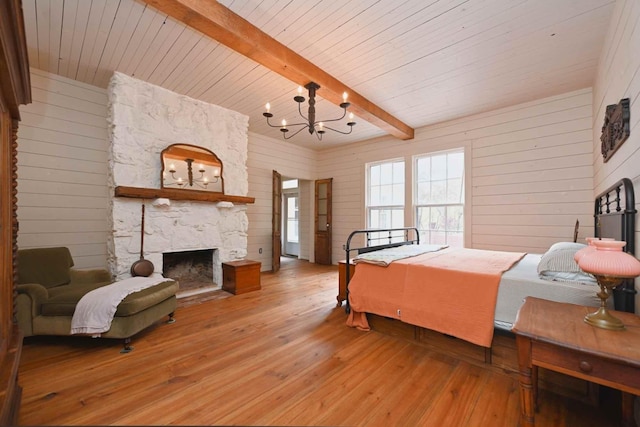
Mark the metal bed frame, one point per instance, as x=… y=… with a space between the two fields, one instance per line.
x=614 y=216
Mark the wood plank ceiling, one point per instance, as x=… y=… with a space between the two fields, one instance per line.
x=422 y=61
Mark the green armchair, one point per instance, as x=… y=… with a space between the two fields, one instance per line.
x=49 y=288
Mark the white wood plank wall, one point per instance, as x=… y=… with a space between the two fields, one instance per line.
x=530 y=176
x=618 y=77
x=291 y=161
x=62 y=169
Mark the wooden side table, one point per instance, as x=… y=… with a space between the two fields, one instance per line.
x=241 y=276
x=554 y=336
x=342 y=279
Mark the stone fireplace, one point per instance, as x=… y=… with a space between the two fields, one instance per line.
x=143 y=120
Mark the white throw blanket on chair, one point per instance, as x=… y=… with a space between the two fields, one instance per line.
x=95 y=310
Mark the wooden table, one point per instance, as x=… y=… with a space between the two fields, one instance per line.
x=554 y=336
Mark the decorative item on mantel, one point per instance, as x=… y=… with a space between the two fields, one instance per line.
x=199 y=188
x=615 y=129
x=610 y=266
x=179 y=162
x=312 y=125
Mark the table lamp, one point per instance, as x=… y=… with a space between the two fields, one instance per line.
x=610 y=266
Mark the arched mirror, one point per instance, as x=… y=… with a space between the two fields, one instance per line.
x=188 y=167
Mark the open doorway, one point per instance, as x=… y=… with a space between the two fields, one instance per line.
x=291 y=218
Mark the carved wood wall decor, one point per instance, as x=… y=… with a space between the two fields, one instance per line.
x=615 y=129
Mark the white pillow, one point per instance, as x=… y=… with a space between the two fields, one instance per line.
x=557 y=264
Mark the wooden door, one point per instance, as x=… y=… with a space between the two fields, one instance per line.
x=276 y=222
x=322 y=240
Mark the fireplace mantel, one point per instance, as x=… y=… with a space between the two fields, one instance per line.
x=176 y=194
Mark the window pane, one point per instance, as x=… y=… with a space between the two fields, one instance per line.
x=375 y=196
x=386 y=195
x=398 y=172
x=455 y=165
x=398 y=194
x=424 y=169
x=424 y=193
x=374 y=175
x=397 y=218
x=439 y=167
x=455 y=191
x=290 y=183
x=386 y=173
x=438 y=191
x=455 y=218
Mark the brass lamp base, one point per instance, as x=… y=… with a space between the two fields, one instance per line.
x=602 y=319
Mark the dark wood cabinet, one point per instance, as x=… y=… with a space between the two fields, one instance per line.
x=15 y=90
x=241 y=276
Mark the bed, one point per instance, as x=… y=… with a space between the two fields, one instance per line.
x=406 y=290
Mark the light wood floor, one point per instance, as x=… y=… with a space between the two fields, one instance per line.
x=279 y=356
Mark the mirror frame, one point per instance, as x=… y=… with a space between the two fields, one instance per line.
x=198 y=154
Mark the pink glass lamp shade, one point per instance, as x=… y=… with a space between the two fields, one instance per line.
x=589 y=248
x=610 y=265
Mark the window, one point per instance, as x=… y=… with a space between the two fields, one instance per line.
x=292 y=218
x=439 y=197
x=385 y=194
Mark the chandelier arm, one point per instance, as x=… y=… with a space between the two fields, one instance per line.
x=334 y=120
x=339 y=131
x=273 y=126
x=296 y=132
x=300 y=112
x=288 y=124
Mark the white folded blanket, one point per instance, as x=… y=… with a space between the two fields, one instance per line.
x=384 y=257
x=95 y=310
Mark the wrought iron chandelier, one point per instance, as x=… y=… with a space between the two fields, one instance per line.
x=312 y=125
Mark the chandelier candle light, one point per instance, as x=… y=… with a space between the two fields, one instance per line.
x=313 y=126
x=610 y=266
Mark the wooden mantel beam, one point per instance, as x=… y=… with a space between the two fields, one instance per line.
x=221 y=24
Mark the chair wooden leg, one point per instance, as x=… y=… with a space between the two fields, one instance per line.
x=127 y=346
x=171 y=319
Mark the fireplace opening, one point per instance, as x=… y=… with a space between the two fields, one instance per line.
x=192 y=269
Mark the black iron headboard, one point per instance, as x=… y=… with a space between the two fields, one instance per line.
x=615 y=216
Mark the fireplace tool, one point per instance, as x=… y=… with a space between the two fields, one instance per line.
x=142 y=267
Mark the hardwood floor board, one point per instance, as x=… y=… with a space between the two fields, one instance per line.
x=308 y=395
x=498 y=405
x=461 y=391
x=261 y=371
x=336 y=389
x=278 y=356
x=402 y=397
x=276 y=361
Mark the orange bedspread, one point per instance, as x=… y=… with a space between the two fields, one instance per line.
x=452 y=291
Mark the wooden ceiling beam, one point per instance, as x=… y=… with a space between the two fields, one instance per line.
x=221 y=24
